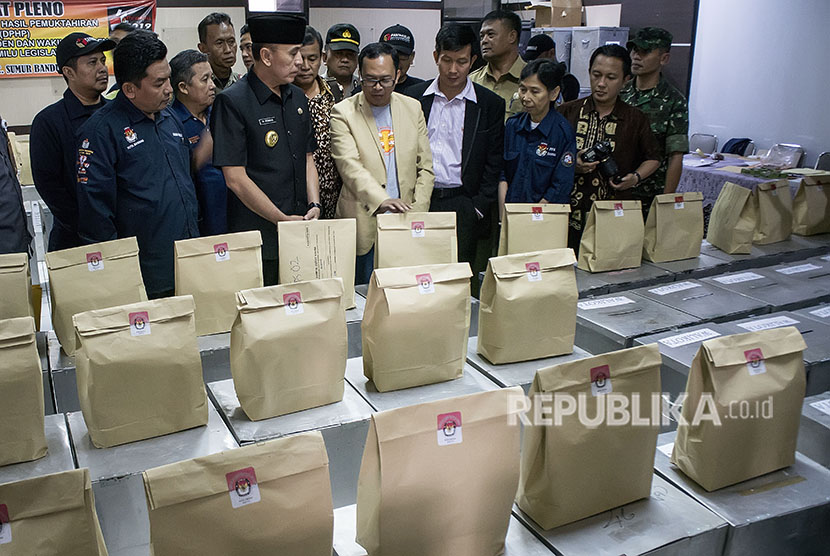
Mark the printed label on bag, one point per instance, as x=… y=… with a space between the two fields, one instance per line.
x=768 y=324
x=418 y=229
x=536 y=214
x=773 y=189
x=601 y=380
x=534 y=272
x=293 y=303
x=222 y=253
x=678 y=203
x=603 y=303
x=738 y=278
x=140 y=324
x=618 y=209
x=5 y=525
x=243 y=487
x=755 y=361
x=425 y=284
x=676 y=287
x=689 y=338
x=94 y=261
x=449 y=428
x=824 y=312
x=821 y=405
x=797 y=269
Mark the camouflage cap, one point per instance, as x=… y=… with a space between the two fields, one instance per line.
x=649 y=38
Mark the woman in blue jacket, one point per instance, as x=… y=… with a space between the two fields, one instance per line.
x=539 y=143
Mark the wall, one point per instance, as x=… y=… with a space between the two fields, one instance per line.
x=25 y=97
x=424 y=24
x=760 y=71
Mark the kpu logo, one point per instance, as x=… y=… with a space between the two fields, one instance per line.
x=140 y=323
x=425 y=284
x=94 y=261
x=449 y=428
x=293 y=303
x=243 y=487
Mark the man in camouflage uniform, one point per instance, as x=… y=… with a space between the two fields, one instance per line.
x=665 y=106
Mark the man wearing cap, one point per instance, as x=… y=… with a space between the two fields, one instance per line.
x=402 y=40
x=53 y=149
x=133 y=165
x=541 y=46
x=665 y=106
x=500 y=32
x=263 y=139
x=340 y=57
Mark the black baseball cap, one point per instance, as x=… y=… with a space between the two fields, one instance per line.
x=343 y=36
x=400 y=38
x=78 y=44
x=537 y=45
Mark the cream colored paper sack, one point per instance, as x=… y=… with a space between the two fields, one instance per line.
x=764 y=369
x=438 y=479
x=139 y=372
x=50 y=515
x=528 y=306
x=811 y=206
x=267 y=499
x=212 y=269
x=22 y=437
x=774 y=207
x=732 y=224
x=674 y=227
x=15 y=286
x=613 y=237
x=416 y=238
x=416 y=325
x=527 y=227
x=571 y=470
x=317 y=249
x=92 y=277
x=288 y=347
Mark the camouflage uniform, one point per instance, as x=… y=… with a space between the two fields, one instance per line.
x=668 y=112
x=667 y=109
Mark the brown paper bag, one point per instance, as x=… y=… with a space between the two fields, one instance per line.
x=212 y=269
x=22 y=437
x=528 y=228
x=674 y=227
x=416 y=325
x=811 y=206
x=528 y=306
x=613 y=237
x=267 y=499
x=15 y=286
x=288 y=347
x=318 y=249
x=50 y=515
x=438 y=479
x=139 y=372
x=571 y=470
x=762 y=372
x=732 y=224
x=92 y=277
x=774 y=207
x=416 y=238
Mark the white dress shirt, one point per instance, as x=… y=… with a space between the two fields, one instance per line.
x=446 y=133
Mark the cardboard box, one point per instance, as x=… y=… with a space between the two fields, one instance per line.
x=557 y=13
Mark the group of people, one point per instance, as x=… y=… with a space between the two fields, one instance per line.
x=190 y=148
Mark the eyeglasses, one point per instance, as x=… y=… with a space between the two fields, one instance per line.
x=384 y=82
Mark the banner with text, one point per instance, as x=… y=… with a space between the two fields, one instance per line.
x=30 y=30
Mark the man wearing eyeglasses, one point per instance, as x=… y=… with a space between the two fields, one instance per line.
x=380 y=146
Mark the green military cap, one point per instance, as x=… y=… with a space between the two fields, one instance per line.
x=649 y=38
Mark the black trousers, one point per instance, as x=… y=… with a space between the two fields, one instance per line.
x=466 y=220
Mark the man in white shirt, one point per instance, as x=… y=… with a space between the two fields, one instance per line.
x=465 y=124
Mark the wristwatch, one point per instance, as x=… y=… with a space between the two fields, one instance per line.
x=639 y=179
x=315 y=205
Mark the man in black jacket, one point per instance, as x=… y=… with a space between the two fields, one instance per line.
x=465 y=123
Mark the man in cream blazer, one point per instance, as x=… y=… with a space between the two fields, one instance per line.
x=380 y=146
